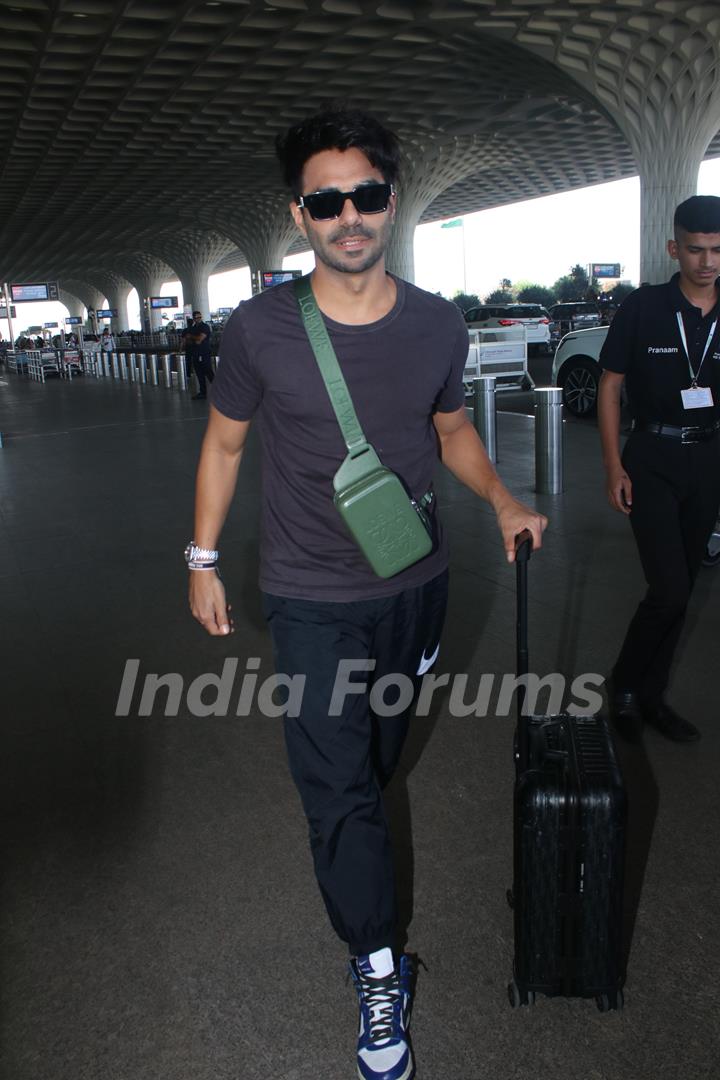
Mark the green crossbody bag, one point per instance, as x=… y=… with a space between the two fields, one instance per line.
x=392 y=530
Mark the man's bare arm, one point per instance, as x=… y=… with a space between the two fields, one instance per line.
x=220 y=457
x=462 y=451
x=619 y=485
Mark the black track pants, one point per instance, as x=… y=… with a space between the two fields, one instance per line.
x=203 y=370
x=340 y=763
x=676 y=491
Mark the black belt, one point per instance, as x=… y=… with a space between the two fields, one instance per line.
x=684 y=434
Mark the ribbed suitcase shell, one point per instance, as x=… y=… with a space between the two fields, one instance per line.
x=570 y=813
x=569 y=848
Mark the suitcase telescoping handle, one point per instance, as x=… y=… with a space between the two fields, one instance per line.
x=523 y=547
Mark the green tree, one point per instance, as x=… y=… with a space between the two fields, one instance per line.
x=499 y=296
x=564 y=289
x=465 y=300
x=572 y=286
x=529 y=293
x=619 y=292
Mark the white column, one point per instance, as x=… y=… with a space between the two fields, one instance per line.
x=194 y=255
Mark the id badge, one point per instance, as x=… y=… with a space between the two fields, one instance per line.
x=697 y=397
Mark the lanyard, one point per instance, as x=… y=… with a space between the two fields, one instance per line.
x=681 y=326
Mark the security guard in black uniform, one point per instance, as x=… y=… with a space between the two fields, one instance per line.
x=664 y=343
x=197 y=339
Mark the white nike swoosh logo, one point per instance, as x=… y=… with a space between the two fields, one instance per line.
x=426 y=662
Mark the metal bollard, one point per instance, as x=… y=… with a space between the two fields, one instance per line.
x=123 y=367
x=548 y=440
x=106 y=364
x=154 y=369
x=143 y=367
x=167 y=374
x=485 y=414
x=132 y=367
x=181 y=371
x=115 y=367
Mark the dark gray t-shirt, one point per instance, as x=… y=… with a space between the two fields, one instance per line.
x=399 y=371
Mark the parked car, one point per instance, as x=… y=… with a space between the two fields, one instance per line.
x=533 y=317
x=577 y=315
x=576 y=369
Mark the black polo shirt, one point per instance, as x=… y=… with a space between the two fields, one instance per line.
x=202 y=348
x=644 y=344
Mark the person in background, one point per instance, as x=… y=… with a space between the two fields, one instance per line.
x=197 y=337
x=663 y=345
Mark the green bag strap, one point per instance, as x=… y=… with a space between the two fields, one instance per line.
x=333 y=378
x=361 y=456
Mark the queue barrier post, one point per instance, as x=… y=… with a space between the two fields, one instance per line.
x=181 y=371
x=548 y=440
x=485 y=413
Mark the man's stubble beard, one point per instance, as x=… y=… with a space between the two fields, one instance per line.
x=324 y=252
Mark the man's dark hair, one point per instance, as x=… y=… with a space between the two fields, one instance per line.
x=337 y=128
x=699 y=213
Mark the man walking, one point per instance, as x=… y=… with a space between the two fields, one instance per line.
x=663 y=344
x=401 y=352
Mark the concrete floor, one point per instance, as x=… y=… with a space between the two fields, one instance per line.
x=160 y=919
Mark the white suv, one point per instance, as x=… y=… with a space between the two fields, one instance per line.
x=576 y=368
x=533 y=317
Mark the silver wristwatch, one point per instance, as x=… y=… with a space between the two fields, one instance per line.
x=199 y=558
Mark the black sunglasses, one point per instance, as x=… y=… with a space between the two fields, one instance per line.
x=366 y=198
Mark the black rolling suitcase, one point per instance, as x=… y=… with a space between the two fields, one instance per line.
x=569 y=849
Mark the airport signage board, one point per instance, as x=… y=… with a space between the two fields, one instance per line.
x=4 y=314
x=107 y=313
x=30 y=292
x=605 y=270
x=163 y=301
x=73 y=320
x=51 y=325
x=270 y=278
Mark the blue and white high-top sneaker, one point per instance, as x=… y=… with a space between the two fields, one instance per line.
x=385 y=996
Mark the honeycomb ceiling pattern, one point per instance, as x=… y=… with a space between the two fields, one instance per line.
x=126 y=126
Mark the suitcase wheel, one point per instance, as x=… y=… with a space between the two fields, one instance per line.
x=519 y=997
x=608 y=1002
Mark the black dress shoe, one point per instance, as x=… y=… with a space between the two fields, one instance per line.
x=625 y=714
x=670 y=724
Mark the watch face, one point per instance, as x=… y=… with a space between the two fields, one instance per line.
x=188 y=552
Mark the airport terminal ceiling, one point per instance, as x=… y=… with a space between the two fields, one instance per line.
x=126 y=126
